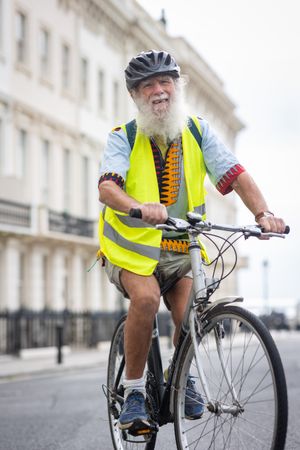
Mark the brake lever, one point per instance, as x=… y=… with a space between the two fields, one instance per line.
x=268 y=235
x=164 y=226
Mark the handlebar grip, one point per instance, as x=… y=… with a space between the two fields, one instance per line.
x=286 y=231
x=136 y=213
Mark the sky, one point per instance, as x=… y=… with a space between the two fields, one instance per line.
x=253 y=46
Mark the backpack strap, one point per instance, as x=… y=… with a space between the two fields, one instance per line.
x=195 y=130
x=131 y=132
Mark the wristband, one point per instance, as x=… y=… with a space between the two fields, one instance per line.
x=263 y=214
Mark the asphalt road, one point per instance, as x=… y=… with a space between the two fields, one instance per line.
x=68 y=411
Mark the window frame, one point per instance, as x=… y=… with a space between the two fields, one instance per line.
x=44 y=62
x=101 y=90
x=66 y=74
x=21 y=152
x=67 y=171
x=24 y=48
x=84 y=81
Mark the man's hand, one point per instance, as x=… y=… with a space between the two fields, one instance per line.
x=153 y=213
x=272 y=224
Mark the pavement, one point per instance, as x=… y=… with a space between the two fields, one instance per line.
x=45 y=361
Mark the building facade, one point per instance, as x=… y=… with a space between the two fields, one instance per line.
x=61 y=91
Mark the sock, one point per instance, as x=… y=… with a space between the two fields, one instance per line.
x=134 y=385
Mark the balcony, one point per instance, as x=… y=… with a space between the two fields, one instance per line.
x=16 y=217
x=15 y=214
x=65 y=223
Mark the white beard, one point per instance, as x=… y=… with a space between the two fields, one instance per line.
x=167 y=124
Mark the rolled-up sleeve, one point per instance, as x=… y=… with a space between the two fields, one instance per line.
x=221 y=164
x=115 y=162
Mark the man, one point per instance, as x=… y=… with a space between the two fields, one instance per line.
x=158 y=163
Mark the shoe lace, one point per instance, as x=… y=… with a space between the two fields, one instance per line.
x=135 y=400
x=190 y=383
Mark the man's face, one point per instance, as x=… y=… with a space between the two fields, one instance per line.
x=156 y=92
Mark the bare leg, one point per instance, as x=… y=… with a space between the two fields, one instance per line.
x=177 y=297
x=144 y=294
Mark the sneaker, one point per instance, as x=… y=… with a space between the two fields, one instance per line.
x=194 y=404
x=134 y=412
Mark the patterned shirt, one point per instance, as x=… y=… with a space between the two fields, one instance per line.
x=221 y=164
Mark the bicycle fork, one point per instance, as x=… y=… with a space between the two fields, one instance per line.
x=212 y=406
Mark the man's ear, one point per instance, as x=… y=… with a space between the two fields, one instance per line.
x=133 y=93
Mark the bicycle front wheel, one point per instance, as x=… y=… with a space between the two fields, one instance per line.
x=115 y=393
x=247 y=408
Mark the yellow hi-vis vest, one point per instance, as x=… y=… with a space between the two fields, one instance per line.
x=131 y=243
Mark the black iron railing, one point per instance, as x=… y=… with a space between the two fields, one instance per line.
x=30 y=329
x=65 y=223
x=19 y=214
x=14 y=213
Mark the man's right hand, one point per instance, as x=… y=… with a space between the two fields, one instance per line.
x=153 y=213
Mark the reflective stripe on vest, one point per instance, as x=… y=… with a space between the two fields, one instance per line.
x=131 y=243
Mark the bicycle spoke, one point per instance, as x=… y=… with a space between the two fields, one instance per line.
x=229 y=424
x=121 y=441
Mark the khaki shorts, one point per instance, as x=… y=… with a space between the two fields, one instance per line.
x=171 y=265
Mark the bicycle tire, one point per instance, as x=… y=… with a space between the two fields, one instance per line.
x=120 y=438
x=256 y=372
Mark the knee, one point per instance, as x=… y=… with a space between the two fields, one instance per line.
x=147 y=304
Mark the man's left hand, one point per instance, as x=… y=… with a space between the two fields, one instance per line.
x=272 y=224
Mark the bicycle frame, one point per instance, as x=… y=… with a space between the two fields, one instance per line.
x=206 y=327
x=198 y=297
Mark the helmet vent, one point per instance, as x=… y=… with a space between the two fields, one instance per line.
x=147 y=64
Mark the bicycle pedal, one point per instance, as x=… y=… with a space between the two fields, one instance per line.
x=139 y=428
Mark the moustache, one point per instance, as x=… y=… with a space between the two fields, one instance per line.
x=158 y=98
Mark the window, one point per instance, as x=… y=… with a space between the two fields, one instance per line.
x=116 y=105
x=21 y=153
x=2 y=160
x=84 y=79
x=67 y=179
x=1 y=25
x=45 y=170
x=65 y=67
x=85 y=186
x=44 y=53
x=101 y=97
x=21 y=37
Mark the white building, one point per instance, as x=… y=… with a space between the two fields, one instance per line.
x=61 y=91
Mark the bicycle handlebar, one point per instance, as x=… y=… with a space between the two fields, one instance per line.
x=136 y=213
x=194 y=221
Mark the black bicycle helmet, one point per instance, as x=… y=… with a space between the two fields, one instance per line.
x=150 y=63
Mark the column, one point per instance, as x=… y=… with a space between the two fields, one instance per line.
x=11 y=276
x=36 y=294
x=56 y=298
x=76 y=282
x=92 y=296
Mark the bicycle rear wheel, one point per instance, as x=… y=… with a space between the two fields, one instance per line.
x=115 y=392
x=247 y=386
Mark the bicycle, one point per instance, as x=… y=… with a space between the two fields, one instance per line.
x=227 y=349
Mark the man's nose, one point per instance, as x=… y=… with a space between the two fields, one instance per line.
x=157 y=88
